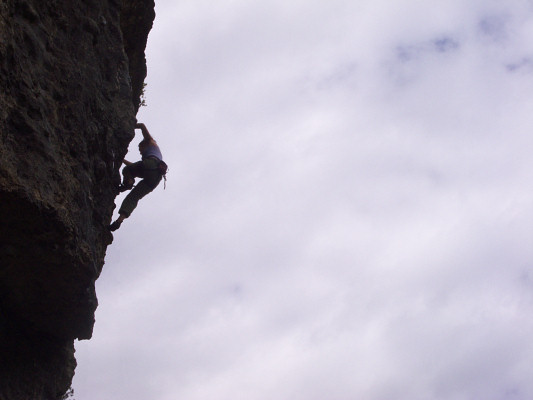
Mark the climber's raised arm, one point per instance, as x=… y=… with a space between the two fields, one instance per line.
x=145 y=132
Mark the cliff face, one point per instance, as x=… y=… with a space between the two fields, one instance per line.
x=71 y=73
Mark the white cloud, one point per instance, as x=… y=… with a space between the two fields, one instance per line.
x=347 y=208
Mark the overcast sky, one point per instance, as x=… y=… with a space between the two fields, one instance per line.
x=348 y=213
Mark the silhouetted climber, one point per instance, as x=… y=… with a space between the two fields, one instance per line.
x=151 y=168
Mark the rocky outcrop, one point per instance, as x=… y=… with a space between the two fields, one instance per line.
x=67 y=110
x=136 y=22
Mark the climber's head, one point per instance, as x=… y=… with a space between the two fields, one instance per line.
x=143 y=145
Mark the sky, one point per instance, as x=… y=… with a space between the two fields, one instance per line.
x=348 y=212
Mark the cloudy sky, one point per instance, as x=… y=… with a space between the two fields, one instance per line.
x=348 y=213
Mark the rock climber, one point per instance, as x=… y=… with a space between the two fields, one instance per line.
x=151 y=169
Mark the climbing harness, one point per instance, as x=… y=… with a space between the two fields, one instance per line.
x=163 y=169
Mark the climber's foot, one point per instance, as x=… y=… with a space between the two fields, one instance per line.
x=115 y=225
x=127 y=185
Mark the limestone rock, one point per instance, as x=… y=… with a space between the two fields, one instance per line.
x=67 y=112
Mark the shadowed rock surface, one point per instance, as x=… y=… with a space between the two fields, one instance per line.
x=67 y=112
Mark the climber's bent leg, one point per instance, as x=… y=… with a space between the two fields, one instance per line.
x=130 y=172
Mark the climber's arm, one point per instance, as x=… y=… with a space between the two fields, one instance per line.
x=145 y=132
x=126 y=162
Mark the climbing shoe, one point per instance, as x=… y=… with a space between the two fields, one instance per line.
x=123 y=188
x=115 y=225
x=127 y=185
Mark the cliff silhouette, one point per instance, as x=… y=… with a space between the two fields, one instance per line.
x=71 y=76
